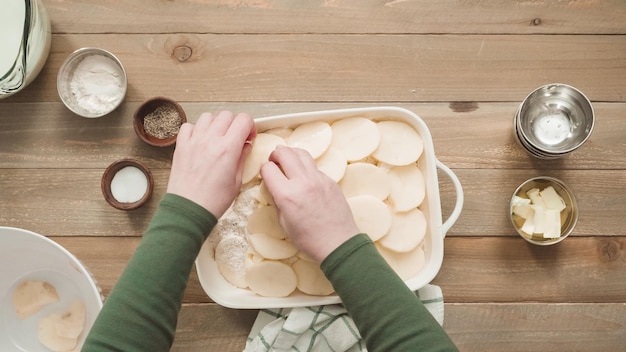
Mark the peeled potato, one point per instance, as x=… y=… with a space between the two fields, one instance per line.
x=332 y=163
x=263 y=145
x=314 y=137
x=406 y=265
x=364 y=178
x=406 y=232
x=30 y=296
x=72 y=321
x=60 y=331
x=311 y=279
x=399 y=143
x=408 y=187
x=282 y=132
x=356 y=137
x=371 y=215
x=230 y=259
x=272 y=248
x=264 y=196
x=271 y=279
x=265 y=220
x=252 y=258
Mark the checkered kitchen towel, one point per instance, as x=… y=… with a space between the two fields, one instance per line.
x=320 y=328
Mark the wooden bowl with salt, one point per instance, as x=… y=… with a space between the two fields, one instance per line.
x=127 y=184
x=158 y=120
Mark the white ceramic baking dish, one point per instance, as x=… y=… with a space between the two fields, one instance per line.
x=225 y=294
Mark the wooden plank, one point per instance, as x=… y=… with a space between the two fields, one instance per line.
x=512 y=327
x=350 y=68
x=537 y=327
x=488 y=269
x=69 y=202
x=340 y=16
x=465 y=135
x=210 y=327
x=601 y=199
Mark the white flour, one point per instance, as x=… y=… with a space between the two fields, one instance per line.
x=97 y=84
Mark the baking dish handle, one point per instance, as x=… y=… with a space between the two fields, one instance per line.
x=459 y=198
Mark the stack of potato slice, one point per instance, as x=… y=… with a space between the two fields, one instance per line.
x=376 y=165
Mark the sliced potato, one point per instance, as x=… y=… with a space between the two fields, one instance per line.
x=252 y=257
x=407 y=187
x=371 y=215
x=333 y=163
x=72 y=322
x=263 y=145
x=60 y=331
x=406 y=232
x=272 y=248
x=399 y=143
x=31 y=296
x=406 y=265
x=314 y=137
x=356 y=137
x=48 y=337
x=271 y=279
x=282 y=132
x=311 y=279
x=364 y=178
x=265 y=220
x=230 y=259
x=264 y=196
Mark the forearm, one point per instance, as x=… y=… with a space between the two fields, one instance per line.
x=141 y=311
x=389 y=316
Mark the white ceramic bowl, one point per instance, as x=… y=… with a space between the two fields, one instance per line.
x=228 y=295
x=25 y=255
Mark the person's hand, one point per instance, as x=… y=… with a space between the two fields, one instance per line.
x=311 y=207
x=208 y=160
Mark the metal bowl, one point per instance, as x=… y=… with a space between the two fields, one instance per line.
x=554 y=120
x=569 y=215
x=94 y=90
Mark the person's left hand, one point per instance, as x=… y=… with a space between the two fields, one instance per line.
x=208 y=161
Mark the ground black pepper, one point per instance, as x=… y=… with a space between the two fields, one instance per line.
x=163 y=122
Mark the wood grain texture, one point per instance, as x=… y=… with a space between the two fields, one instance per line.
x=69 y=202
x=340 y=16
x=487 y=141
x=350 y=68
x=503 y=269
x=478 y=327
x=462 y=65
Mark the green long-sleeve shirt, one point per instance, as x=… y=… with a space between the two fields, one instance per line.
x=141 y=312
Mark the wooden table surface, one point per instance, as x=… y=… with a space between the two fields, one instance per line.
x=463 y=66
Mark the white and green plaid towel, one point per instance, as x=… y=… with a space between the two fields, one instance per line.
x=320 y=328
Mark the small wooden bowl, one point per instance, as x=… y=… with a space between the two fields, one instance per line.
x=110 y=172
x=148 y=107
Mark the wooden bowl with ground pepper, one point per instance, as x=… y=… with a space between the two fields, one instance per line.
x=158 y=120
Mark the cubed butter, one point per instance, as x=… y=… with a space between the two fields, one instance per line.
x=551 y=199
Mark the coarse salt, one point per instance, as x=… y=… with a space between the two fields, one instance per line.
x=129 y=185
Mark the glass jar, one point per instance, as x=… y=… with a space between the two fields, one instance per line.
x=25 y=37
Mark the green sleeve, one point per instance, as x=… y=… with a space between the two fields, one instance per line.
x=141 y=312
x=389 y=316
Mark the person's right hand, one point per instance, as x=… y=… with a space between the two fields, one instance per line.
x=208 y=160
x=311 y=207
